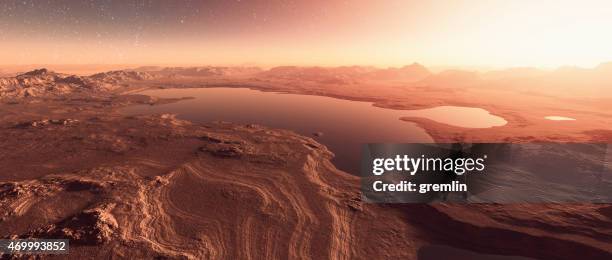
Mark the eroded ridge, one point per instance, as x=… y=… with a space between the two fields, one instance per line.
x=238 y=192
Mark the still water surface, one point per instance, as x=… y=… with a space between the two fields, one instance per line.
x=559 y=118
x=345 y=125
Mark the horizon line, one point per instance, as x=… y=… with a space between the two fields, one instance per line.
x=252 y=64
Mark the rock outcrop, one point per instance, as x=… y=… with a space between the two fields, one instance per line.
x=225 y=191
x=118 y=76
x=45 y=83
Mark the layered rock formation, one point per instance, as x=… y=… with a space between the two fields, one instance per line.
x=179 y=191
x=224 y=191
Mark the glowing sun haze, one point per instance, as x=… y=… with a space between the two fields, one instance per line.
x=330 y=32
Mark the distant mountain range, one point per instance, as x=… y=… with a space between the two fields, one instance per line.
x=205 y=71
x=43 y=82
x=593 y=82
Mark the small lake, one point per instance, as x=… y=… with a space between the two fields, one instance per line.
x=559 y=118
x=345 y=125
x=467 y=117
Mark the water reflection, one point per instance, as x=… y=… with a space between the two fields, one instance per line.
x=342 y=125
x=468 y=117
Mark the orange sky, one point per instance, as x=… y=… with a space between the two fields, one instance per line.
x=329 y=33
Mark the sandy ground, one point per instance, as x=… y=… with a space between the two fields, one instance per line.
x=156 y=186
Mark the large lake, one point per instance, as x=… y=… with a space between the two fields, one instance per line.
x=345 y=125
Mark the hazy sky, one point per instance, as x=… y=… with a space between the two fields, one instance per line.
x=308 y=32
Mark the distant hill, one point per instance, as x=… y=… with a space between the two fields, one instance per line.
x=121 y=76
x=348 y=74
x=43 y=82
x=413 y=72
x=205 y=71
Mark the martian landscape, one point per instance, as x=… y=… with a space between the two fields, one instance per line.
x=76 y=165
x=218 y=129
